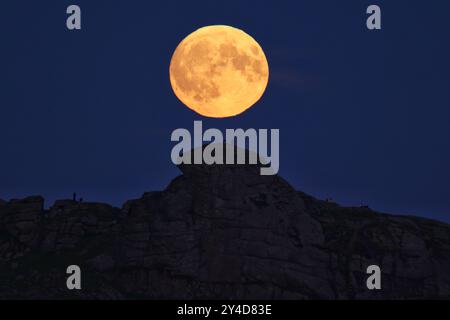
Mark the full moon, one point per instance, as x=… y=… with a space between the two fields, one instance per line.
x=219 y=71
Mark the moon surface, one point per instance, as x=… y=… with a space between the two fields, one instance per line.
x=219 y=71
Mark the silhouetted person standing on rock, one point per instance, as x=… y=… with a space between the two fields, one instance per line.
x=74 y=196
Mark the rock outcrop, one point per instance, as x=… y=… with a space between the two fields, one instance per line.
x=219 y=232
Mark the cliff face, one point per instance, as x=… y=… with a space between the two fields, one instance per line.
x=219 y=232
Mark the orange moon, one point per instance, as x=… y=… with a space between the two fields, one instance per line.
x=219 y=71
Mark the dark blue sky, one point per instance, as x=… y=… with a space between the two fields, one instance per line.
x=364 y=116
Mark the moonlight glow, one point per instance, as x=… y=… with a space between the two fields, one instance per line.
x=219 y=71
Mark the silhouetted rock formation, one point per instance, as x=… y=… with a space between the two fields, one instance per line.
x=219 y=232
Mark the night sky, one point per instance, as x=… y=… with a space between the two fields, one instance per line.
x=364 y=116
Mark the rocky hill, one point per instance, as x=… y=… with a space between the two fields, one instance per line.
x=219 y=232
